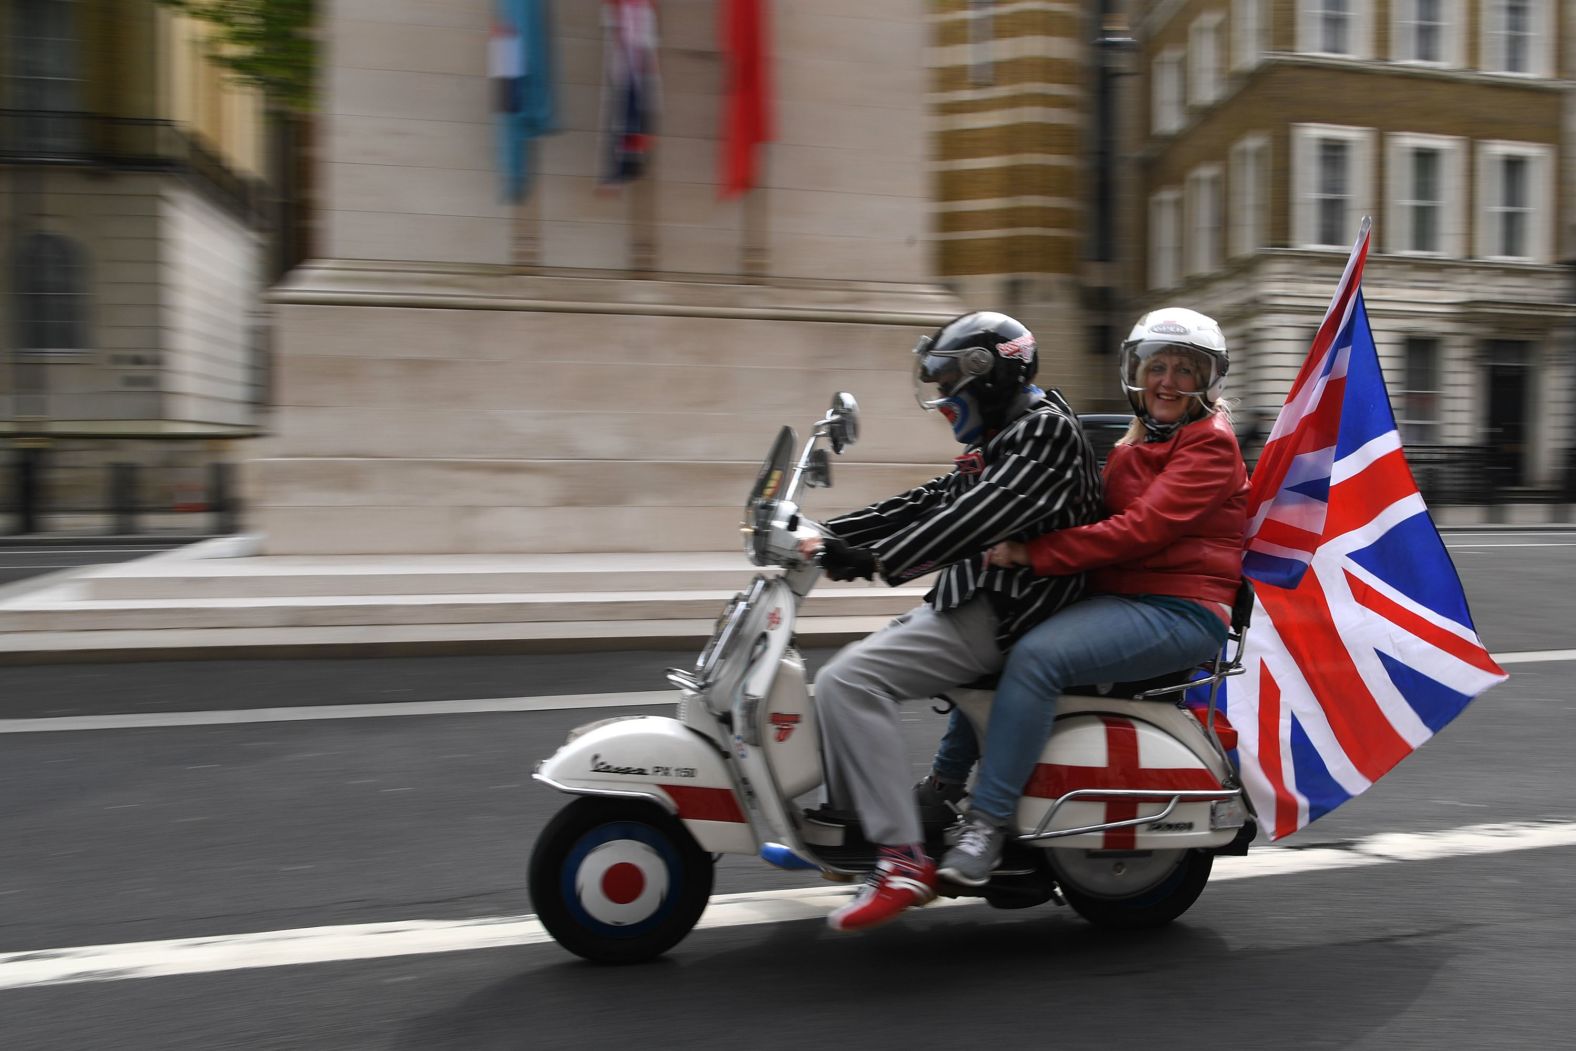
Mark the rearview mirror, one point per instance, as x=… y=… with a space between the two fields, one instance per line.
x=818 y=472
x=842 y=421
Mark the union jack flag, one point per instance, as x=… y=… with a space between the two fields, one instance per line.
x=1362 y=646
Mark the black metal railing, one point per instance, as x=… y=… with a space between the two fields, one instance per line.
x=119 y=498
x=1464 y=475
x=126 y=144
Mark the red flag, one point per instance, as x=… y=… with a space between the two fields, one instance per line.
x=747 y=113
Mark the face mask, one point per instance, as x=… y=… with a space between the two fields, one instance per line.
x=963 y=412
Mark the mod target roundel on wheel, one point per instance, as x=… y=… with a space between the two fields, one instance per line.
x=619 y=878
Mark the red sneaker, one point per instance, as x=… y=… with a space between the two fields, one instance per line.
x=895 y=885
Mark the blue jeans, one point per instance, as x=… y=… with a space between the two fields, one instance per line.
x=1105 y=638
x=958 y=750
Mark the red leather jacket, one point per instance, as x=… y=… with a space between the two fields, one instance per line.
x=1177 y=510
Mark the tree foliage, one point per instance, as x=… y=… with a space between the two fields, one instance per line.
x=267 y=43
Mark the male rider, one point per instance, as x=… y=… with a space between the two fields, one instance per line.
x=1027 y=468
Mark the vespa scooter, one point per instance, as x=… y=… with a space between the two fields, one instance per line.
x=1133 y=798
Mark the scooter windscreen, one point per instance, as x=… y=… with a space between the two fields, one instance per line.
x=761 y=507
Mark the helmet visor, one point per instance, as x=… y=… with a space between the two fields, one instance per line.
x=936 y=376
x=1181 y=368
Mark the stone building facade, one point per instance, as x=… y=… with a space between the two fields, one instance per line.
x=1265 y=130
x=131 y=171
x=597 y=368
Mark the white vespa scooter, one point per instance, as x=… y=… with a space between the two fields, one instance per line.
x=1121 y=818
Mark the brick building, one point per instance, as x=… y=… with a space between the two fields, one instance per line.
x=1016 y=96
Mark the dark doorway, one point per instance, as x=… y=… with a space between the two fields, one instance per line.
x=1509 y=362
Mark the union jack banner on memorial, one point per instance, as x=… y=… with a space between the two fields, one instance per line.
x=1361 y=646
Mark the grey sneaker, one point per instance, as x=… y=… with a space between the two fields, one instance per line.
x=974 y=857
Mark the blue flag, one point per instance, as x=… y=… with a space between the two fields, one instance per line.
x=520 y=66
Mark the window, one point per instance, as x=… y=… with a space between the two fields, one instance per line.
x=1166 y=92
x=1331 y=183
x=1203 y=220
x=982 y=28
x=1334 y=27
x=45 y=73
x=1249 y=170
x=1426 y=32
x=1419 y=396
x=52 y=298
x=1165 y=239
x=1203 y=77
x=1518 y=37
x=1424 y=215
x=1515 y=201
x=1247 y=33
x=1332 y=189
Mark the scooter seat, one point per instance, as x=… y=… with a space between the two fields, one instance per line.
x=1130 y=690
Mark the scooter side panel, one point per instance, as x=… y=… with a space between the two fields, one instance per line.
x=661 y=759
x=1117 y=744
x=1091 y=751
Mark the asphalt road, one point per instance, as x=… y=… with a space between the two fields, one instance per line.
x=132 y=835
x=25 y=560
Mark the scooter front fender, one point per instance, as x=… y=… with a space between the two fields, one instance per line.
x=660 y=759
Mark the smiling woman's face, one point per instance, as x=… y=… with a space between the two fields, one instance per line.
x=1170 y=377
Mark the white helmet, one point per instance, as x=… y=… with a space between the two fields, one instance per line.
x=1174 y=329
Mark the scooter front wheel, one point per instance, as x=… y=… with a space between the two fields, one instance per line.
x=1131 y=891
x=618 y=880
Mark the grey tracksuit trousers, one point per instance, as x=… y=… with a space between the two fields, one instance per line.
x=857 y=693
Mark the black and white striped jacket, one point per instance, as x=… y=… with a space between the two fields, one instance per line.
x=1036 y=474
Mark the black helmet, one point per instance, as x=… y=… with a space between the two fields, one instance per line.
x=989 y=353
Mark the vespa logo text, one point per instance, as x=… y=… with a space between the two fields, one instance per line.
x=1171 y=826
x=599 y=767
x=785 y=725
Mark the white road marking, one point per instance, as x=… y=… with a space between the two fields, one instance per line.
x=1496 y=547
x=366 y=941
x=1459 y=534
x=371 y=710
x=486 y=705
x=1534 y=657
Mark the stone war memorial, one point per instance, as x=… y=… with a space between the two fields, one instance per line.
x=534 y=421
x=596 y=368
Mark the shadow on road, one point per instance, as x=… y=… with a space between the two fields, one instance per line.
x=968 y=979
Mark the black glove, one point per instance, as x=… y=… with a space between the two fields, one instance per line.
x=843 y=561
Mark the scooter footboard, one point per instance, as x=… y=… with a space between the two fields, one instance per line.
x=660 y=759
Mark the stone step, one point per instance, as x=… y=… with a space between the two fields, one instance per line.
x=67 y=614
x=283 y=576
x=684 y=637
x=220 y=598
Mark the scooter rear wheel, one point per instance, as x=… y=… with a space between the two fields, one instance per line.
x=1131 y=891
x=618 y=880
